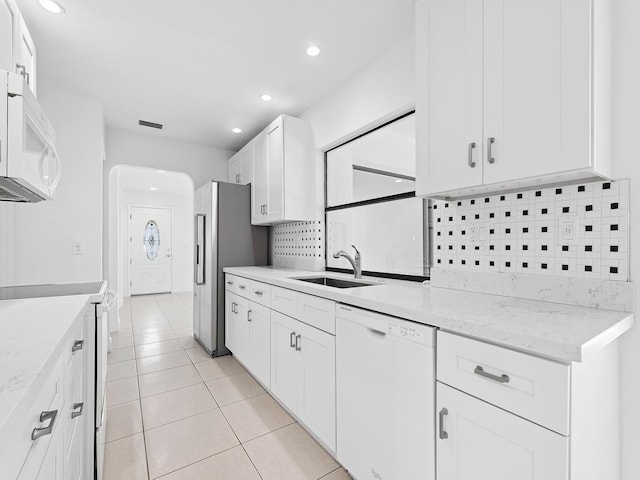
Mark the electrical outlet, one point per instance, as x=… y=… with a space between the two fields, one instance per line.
x=76 y=248
x=567 y=231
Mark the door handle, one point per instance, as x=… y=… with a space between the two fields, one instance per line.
x=470 y=161
x=298 y=346
x=249 y=315
x=490 y=142
x=44 y=416
x=77 y=345
x=258 y=292
x=504 y=378
x=442 y=433
x=77 y=406
x=292 y=342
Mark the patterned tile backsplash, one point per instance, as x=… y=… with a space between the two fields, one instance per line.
x=298 y=245
x=577 y=230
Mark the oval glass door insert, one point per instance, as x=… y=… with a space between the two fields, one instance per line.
x=151 y=240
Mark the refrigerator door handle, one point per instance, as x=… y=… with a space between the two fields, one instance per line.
x=200 y=249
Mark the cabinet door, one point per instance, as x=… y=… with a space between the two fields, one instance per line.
x=486 y=442
x=285 y=366
x=52 y=467
x=235 y=169
x=449 y=91
x=261 y=342
x=27 y=55
x=317 y=396
x=275 y=155
x=247 y=164
x=231 y=320
x=260 y=185
x=8 y=30
x=537 y=87
x=243 y=331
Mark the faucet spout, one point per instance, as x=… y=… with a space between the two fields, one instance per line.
x=356 y=262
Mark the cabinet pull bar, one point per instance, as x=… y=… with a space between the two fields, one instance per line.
x=490 y=142
x=44 y=416
x=229 y=282
x=442 y=433
x=249 y=315
x=504 y=378
x=77 y=345
x=77 y=406
x=258 y=292
x=472 y=164
x=243 y=287
x=291 y=340
x=298 y=343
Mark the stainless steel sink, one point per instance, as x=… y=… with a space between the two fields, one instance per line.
x=335 y=282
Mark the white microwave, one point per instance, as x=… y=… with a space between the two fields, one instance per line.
x=29 y=165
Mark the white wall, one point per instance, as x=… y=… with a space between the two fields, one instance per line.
x=626 y=163
x=380 y=91
x=202 y=163
x=37 y=248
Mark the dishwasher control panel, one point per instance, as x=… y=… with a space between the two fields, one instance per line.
x=388 y=325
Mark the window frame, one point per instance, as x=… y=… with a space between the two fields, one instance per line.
x=372 y=201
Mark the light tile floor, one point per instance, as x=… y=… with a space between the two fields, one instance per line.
x=175 y=413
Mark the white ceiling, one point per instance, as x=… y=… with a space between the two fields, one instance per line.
x=199 y=66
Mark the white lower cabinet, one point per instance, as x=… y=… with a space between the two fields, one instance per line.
x=303 y=374
x=248 y=334
x=477 y=440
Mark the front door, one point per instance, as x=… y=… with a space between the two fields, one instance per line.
x=150 y=250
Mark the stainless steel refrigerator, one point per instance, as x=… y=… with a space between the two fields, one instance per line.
x=224 y=237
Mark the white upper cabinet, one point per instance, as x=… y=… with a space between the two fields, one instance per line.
x=241 y=166
x=508 y=92
x=17 y=50
x=282 y=187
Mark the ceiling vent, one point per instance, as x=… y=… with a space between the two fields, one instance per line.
x=144 y=123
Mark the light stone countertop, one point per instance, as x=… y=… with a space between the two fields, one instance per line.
x=565 y=333
x=32 y=333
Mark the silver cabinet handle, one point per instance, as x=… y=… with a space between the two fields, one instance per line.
x=238 y=178
x=229 y=282
x=234 y=307
x=243 y=287
x=298 y=341
x=472 y=164
x=249 y=315
x=258 y=292
x=292 y=343
x=77 y=406
x=77 y=345
x=504 y=378
x=443 y=434
x=44 y=416
x=490 y=142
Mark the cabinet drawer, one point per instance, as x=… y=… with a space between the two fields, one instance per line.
x=317 y=312
x=531 y=387
x=260 y=293
x=231 y=283
x=284 y=301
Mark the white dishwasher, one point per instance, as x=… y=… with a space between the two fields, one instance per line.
x=385 y=374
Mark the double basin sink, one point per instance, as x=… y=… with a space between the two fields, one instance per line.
x=335 y=282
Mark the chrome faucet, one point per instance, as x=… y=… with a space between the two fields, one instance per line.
x=356 y=262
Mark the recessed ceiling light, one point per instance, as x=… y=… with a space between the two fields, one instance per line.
x=153 y=188
x=398 y=181
x=266 y=97
x=236 y=130
x=313 y=50
x=51 y=6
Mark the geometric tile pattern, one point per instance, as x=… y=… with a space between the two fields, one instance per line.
x=298 y=245
x=579 y=230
